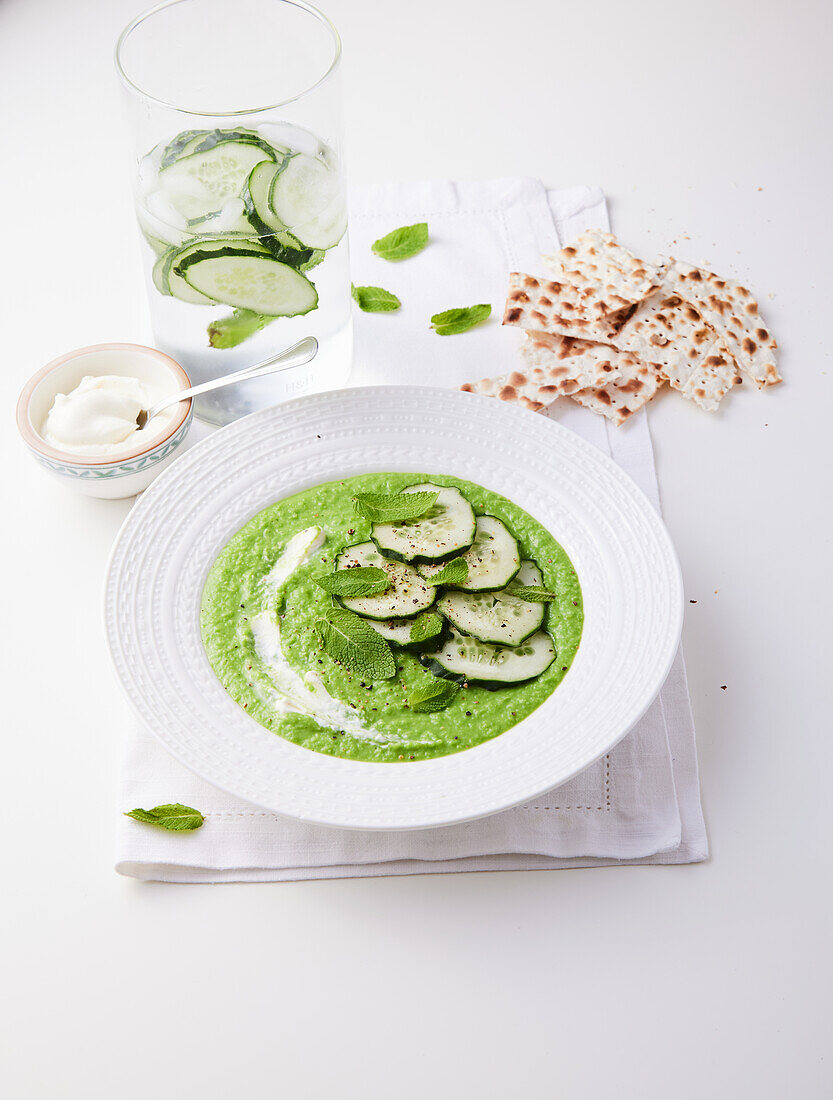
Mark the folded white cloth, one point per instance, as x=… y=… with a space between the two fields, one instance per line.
x=641 y=803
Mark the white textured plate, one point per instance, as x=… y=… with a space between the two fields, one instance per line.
x=625 y=562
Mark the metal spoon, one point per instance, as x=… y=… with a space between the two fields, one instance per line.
x=296 y=356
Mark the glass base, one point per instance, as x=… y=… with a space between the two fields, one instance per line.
x=329 y=370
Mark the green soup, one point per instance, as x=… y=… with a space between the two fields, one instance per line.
x=258 y=626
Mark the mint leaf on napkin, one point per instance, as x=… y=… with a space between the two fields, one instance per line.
x=432 y=697
x=351 y=642
x=452 y=321
x=173 y=816
x=361 y=580
x=403 y=242
x=453 y=572
x=374 y=299
x=393 y=507
x=425 y=626
x=532 y=593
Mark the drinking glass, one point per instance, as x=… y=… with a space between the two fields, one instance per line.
x=238 y=174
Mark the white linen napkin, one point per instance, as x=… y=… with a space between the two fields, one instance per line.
x=640 y=803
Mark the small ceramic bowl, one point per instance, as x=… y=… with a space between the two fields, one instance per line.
x=131 y=472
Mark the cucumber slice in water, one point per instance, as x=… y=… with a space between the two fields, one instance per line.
x=229 y=221
x=158 y=219
x=273 y=233
x=157 y=244
x=307 y=197
x=167 y=281
x=496 y=617
x=167 y=277
x=256 y=197
x=250 y=280
x=159 y=276
x=407 y=594
x=232 y=245
x=200 y=141
x=180 y=146
x=198 y=185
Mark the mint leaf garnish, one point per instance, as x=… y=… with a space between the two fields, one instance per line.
x=361 y=580
x=432 y=697
x=452 y=321
x=173 y=816
x=374 y=299
x=453 y=572
x=425 y=626
x=393 y=507
x=532 y=593
x=350 y=641
x=315 y=257
x=228 y=332
x=403 y=242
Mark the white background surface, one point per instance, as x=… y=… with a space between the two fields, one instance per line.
x=708 y=125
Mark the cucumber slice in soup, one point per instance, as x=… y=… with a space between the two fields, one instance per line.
x=198 y=185
x=398 y=632
x=465 y=659
x=496 y=617
x=493 y=560
x=446 y=529
x=307 y=197
x=407 y=594
x=254 y=281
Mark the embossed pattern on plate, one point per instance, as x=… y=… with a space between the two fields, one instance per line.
x=624 y=558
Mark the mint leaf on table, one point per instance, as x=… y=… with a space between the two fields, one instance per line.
x=361 y=580
x=173 y=816
x=393 y=507
x=374 y=299
x=453 y=572
x=452 y=321
x=532 y=593
x=351 y=642
x=228 y=332
x=401 y=243
x=425 y=626
x=432 y=697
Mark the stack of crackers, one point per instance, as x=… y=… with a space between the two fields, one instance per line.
x=608 y=330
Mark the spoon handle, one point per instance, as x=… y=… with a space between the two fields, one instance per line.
x=296 y=356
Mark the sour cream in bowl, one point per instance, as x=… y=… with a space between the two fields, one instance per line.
x=78 y=417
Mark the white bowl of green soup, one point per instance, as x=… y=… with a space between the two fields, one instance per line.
x=356 y=610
